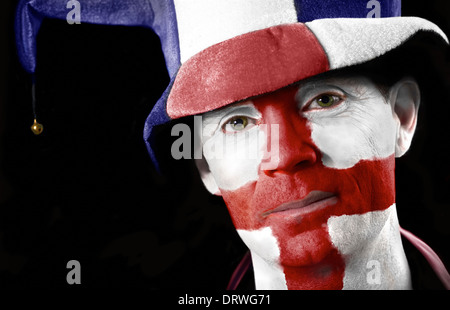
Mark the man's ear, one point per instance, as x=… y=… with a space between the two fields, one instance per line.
x=405 y=101
x=207 y=177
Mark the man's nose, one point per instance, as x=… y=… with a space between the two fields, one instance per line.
x=294 y=147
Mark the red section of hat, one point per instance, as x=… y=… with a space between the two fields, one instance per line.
x=245 y=66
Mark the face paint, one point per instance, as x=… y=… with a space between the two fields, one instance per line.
x=334 y=160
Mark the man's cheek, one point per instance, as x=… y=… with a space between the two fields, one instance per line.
x=344 y=142
x=239 y=206
x=234 y=159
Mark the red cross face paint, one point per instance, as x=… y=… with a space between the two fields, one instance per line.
x=329 y=194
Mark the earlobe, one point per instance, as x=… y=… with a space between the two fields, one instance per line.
x=405 y=100
x=207 y=177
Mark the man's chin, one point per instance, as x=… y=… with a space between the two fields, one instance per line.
x=305 y=249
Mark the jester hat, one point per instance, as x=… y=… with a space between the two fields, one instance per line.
x=218 y=52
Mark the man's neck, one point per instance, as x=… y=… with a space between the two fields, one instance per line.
x=378 y=264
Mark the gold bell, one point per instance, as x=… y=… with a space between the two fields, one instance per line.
x=37 y=128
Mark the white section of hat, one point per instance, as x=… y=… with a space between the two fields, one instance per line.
x=351 y=41
x=203 y=23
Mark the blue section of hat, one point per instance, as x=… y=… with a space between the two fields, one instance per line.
x=154 y=14
x=309 y=10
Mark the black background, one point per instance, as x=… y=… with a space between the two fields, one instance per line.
x=85 y=189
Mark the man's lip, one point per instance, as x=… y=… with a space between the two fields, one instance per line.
x=314 y=200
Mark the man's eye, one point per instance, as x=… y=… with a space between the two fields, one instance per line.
x=326 y=100
x=238 y=123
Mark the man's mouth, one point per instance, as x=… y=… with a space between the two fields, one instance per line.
x=315 y=200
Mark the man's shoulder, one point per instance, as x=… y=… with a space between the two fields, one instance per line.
x=422 y=274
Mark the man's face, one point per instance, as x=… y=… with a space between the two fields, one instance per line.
x=330 y=143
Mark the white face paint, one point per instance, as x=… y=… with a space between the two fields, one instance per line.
x=263 y=243
x=371 y=236
x=347 y=121
x=361 y=127
x=234 y=159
